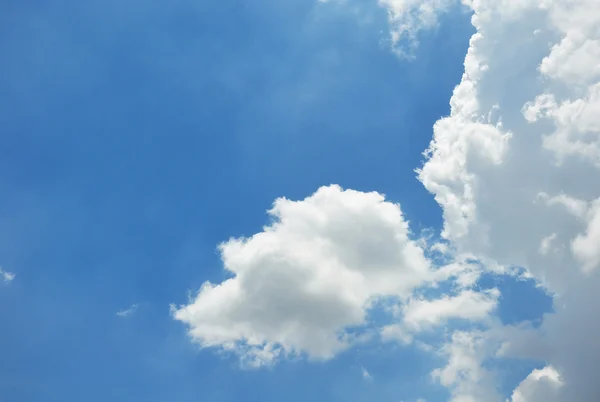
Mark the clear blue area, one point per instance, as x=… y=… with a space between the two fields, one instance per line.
x=520 y=299
x=136 y=136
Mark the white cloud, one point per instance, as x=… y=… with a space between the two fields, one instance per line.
x=515 y=165
x=514 y=168
x=575 y=207
x=310 y=274
x=7 y=277
x=540 y=385
x=128 y=311
x=577 y=124
x=316 y=270
x=408 y=17
x=546 y=244
x=574 y=59
x=462 y=271
x=366 y=375
x=464 y=374
x=397 y=333
x=420 y=314
x=586 y=246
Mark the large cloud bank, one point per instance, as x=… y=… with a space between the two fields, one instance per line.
x=515 y=168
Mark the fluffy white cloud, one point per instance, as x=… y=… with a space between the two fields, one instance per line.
x=419 y=314
x=464 y=373
x=515 y=166
x=540 y=385
x=577 y=124
x=307 y=276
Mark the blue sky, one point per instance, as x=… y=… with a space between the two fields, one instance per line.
x=136 y=137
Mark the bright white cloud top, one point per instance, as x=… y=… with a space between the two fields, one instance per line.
x=515 y=168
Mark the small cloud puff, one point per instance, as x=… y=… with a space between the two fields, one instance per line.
x=128 y=311
x=365 y=374
x=6 y=276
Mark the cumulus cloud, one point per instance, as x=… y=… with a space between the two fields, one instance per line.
x=7 y=277
x=309 y=275
x=305 y=284
x=576 y=124
x=540 y=385
x=515 y=166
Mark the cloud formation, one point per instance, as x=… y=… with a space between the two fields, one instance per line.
x=464 y=374
x=515 y=169
x=541 y=385
x=468 y=305
x=515 y=166
x=308 y=276
x=128 y=311
x=305 y=284
x=409 y=17
x=7 y=277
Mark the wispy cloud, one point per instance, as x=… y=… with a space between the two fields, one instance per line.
x=7 y=276
x=366 y=375
x=128 y=311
